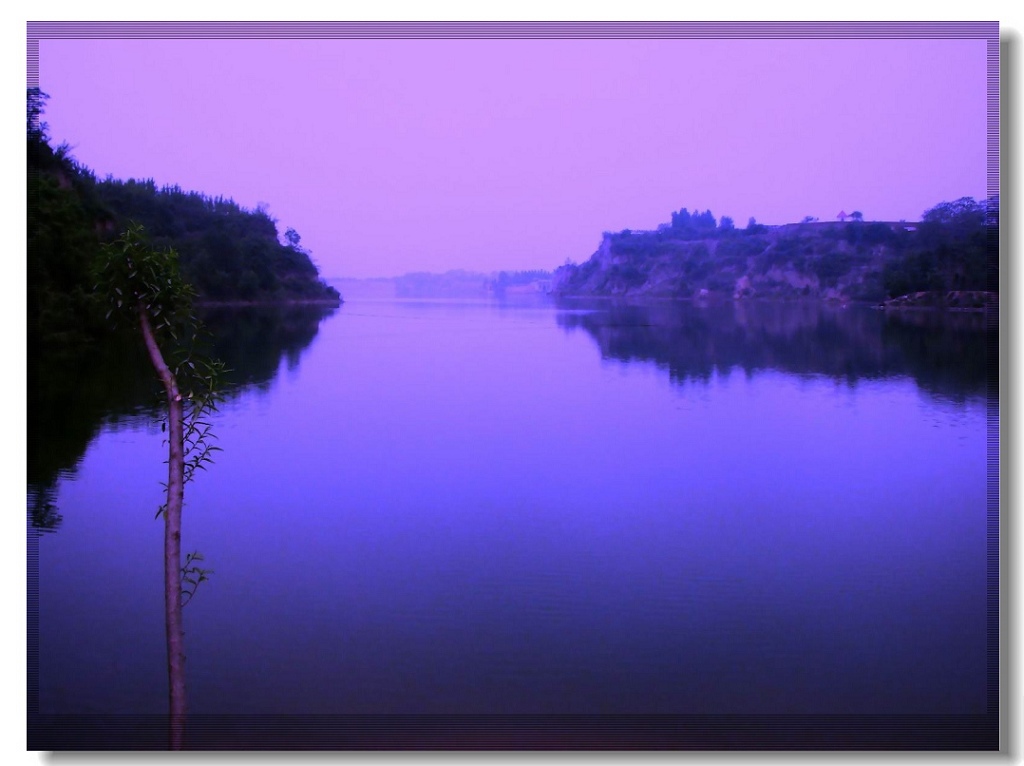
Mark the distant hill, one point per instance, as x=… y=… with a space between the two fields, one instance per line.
x=457 y=283
x=950 y=255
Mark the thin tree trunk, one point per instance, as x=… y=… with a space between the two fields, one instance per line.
x=172 y=536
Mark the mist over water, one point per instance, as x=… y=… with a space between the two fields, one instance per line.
x=536 y=507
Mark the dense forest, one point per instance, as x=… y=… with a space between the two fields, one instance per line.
x=227 y=253
x=950 y=255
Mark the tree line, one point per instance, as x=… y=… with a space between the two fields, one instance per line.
x=227 y=252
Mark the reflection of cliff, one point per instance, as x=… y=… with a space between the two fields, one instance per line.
x=71 y=397
x=945 y=353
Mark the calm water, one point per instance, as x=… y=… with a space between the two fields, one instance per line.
x=464 y=507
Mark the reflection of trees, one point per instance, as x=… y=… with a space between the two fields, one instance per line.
x=944 y=352
x=252 y=341
x=72 y=396
x=42 y=509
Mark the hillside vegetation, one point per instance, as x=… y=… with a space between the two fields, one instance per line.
x=227 y=253
x=950 y=256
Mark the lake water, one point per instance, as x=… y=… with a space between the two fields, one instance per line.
x=527 y=507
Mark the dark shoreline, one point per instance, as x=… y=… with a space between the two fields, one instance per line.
x=282 y=302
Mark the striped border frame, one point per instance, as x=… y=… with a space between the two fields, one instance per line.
x=985 y=726
x=992 y=360
x=313 y=30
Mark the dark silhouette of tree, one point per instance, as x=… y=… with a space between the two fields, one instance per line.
x=36 y=128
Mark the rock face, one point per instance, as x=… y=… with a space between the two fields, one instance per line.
x=780 y=262
x=843 y=262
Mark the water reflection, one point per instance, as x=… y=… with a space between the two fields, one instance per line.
x=503 y=523
x=42 y=509
x=945 y=353
x=253 y=341
x=72 y=396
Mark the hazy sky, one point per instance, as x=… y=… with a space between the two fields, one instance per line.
x=391 y=156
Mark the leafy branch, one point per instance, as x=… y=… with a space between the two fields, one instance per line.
x=191 y=576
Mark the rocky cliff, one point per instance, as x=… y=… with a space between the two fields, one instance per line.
x=857 y=261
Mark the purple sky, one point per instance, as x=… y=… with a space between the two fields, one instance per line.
x=391 y=156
